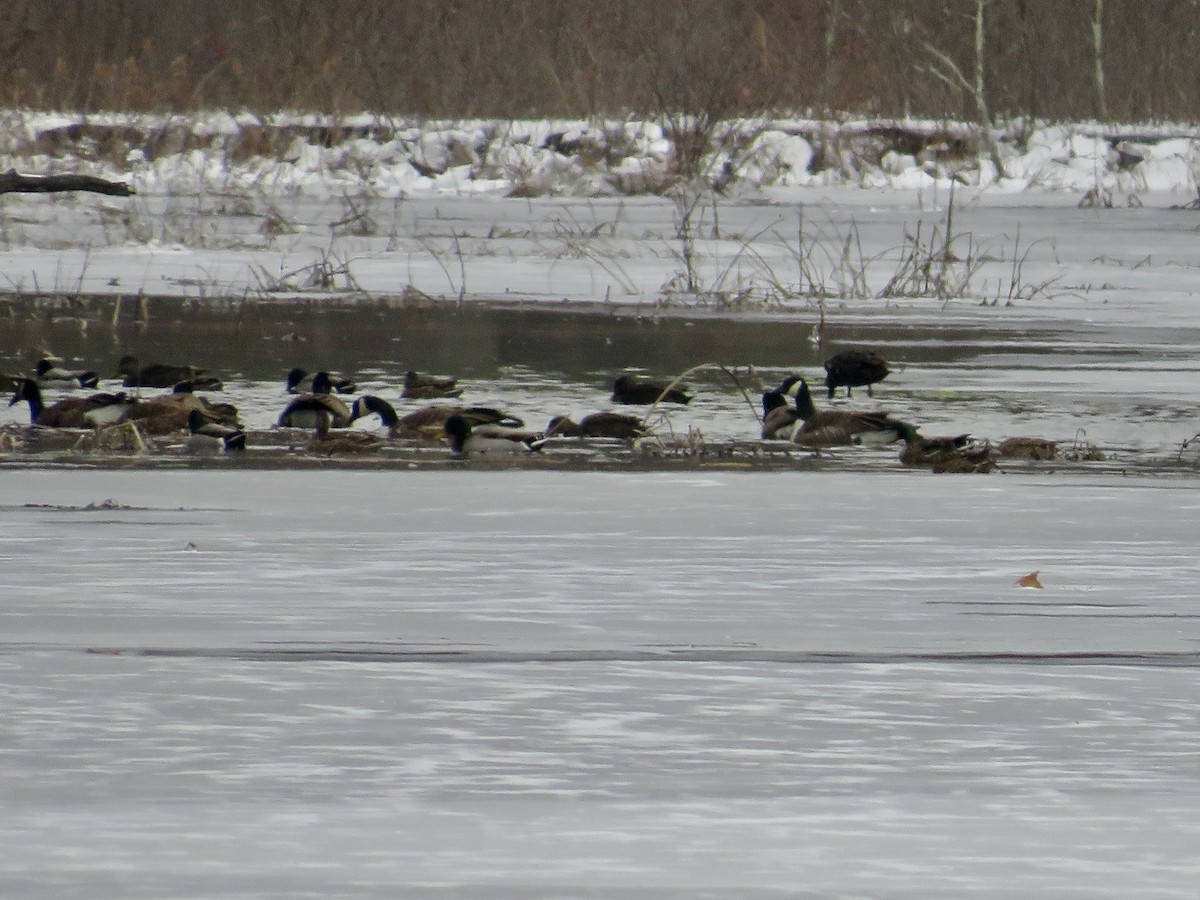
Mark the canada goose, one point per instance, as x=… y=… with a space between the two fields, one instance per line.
x=307 y=409
x=205 y=435
x=163 y=375
x=429 y=422
x=854 y=368
x=299 y=381
x=368 y=405
x=52 y=376
x=72 y=412
x=489 y=440
x=637 y=389
x=428 y=387
x=779 y=417
x=598 y=425
x=927 y=451
x=831 y=427
x=1028 y=448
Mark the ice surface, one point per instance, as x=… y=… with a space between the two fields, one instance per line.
x=530 y=684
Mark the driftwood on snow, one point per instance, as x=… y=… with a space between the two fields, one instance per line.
x=11 y=182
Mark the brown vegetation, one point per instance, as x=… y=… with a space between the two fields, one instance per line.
x=1057 y=59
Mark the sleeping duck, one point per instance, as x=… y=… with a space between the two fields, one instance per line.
x=638 y=389
x=165 y=375
x=51 y=376
x=207 y=436
x=597 y=425
x=922 y=451
x=428 y=387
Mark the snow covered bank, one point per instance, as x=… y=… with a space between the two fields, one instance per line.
x=320 y=155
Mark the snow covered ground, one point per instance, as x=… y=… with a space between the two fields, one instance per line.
x=592 y=684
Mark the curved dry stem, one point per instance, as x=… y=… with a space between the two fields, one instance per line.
x=679 y=378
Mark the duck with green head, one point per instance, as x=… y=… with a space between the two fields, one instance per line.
x=489 y=440
x=51 y=376
x=207 y=436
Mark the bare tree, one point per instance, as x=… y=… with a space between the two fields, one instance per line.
x=946 y=70
x=1098 y=58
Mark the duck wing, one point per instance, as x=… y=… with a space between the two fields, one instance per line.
x=780 y=422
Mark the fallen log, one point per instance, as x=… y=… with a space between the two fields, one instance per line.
x=12 y=182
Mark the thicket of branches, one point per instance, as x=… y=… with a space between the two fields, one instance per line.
x=1056 y=59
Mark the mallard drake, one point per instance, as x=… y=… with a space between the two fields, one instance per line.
x=205 y=435
x=598 y=425
x=1028 y=448
x=428 y=387
x=299 y=381
x=51 y=376
x=831 y=427
x=854 y=368
x=72 y=412
x=163 y=375
x=489 y=440
x=429 y=422
x=638 y=389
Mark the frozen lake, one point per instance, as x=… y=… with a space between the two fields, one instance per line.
x=360 y=680
x=576 y=684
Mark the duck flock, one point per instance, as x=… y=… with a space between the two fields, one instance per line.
x=318 y=409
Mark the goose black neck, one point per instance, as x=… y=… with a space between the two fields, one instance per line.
x=32 y=394
x=804 y=402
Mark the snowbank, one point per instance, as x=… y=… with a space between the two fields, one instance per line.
x=319 y=155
